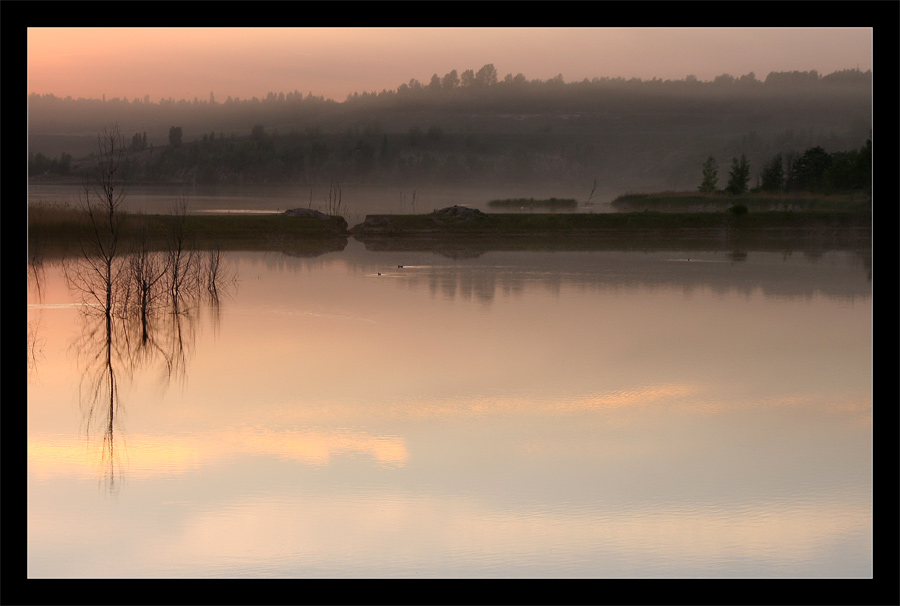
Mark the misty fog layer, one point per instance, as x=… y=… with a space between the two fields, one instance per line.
x=629 y=135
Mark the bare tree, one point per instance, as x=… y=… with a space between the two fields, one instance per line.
x=99 y=276
x=123 y=286
x=99 y=271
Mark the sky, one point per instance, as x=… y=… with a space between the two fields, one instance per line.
x=184 y=63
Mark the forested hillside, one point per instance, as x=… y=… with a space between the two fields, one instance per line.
x=630 y=135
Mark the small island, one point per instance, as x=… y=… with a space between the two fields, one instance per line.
x=466 y=221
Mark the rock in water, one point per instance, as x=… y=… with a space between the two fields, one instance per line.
x=306 y=212
x=457 y=211
x=457 y=215
x=338 y=224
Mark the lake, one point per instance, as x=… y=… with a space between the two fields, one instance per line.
x=503 y=414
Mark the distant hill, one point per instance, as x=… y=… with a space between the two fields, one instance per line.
x=630 y=135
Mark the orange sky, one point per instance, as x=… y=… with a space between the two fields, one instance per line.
x=184 y=63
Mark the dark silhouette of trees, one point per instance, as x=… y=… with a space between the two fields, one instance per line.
x=809 y=170
x=175 y=136
x=738 y=176
x=814 y=170
x=792 y=79
x=710 y=175
x=819 y=171
x=862 y=167
x=450 y=80
x=41 y=164
x=486 y=76
x=644 y=133
x=724 y=79
x=139 y=142
x=772 y=175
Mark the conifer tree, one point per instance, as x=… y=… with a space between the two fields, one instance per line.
x=772 y=175
x=710 y=175
x=739 y=175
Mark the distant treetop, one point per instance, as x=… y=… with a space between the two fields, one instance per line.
x=488 y=77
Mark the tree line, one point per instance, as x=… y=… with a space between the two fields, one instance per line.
x=359 y=154
x=487 y=77
x=465 y=91
x=429 y=154
x=813 y=170
x=41 y=164
x=467 y=125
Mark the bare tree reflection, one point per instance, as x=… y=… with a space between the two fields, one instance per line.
x=98 y=276
x=146 y=274
x=35 y=268
x=146 y=330
x=99 y=387
x=34 y=345
x=140 y=303
x=181 y=259
x=36 y=278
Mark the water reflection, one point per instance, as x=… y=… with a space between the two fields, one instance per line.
x=567 y=413
x=770 y=273
x=137 y=311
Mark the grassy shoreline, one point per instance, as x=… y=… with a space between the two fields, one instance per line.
x=755 y=201
x=56 y=226
x=59 y=230
x=55 y=221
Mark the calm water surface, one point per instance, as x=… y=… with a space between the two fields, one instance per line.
x=517 y=414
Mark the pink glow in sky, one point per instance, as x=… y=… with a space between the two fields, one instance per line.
x=184 y=63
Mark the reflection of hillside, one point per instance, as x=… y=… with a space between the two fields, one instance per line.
x=774 y=273
x=313 y=247
x=460 y=247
